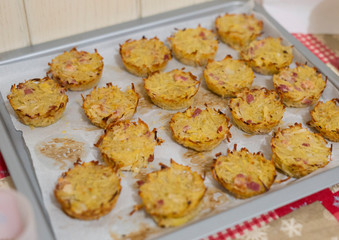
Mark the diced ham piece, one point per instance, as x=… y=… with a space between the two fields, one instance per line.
x=70 y=67
x=62 y=91
x=307 y=101
x=307 y=85
x=253 y=186
x=250 y=28
x=214 y=77
x=240 y=180
x=219 y=129
x=249 y=98
x=186 y=128
x=196 y=112
x=150 y=158
x=72 y=81
x=249 y=121
x=261 y=44
x=140 y=182
x=283 y=88
x=294 y=74
x=166 y=57
x=84 y=60
x=160 y=202
x=148 y=133
x=28 y=91
x=306 y=144
x=297 y=88
x=178 y=77
x=203 y=35
x=251 y=51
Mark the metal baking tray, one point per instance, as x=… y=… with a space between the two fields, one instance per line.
x=18 y=157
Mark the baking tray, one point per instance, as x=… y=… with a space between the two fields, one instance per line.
x=18 y=158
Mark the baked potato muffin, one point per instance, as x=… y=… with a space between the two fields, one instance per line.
x=257 y=111
x=238 y=30
x=228 y=76
x=244 y=174
x=77 y=70
x=297 y=152
x=144 y=56
x=172 y=90
x=194 y=46
x=172 y=195
x=128 y=145
x=201 y=130
x=109 y=104
x=325 y=118
x=267 y=56
x=38 y=102
x=88 y=191
x=299 y=87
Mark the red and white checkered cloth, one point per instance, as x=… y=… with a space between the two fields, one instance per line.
x=240 y=229
x=318 y=48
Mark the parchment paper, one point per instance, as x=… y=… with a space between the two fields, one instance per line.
x=119 y=224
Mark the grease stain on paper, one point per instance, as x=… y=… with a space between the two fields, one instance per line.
x=62 y=150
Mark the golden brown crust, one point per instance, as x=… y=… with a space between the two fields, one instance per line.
x=77 y=70
x=228 y=76
x=257 y=111
x=128 y=145
x=109 y=104
x=201 y=130
x=172 y=90
x=299 y=87
x=172 y=195
x=325 y=118
x=88 y=191
x=267 y=56
x=194 y=47
x=238 y=30
x=244 y=174
x=38 y=102
x=145 y=56
x=298 y=152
